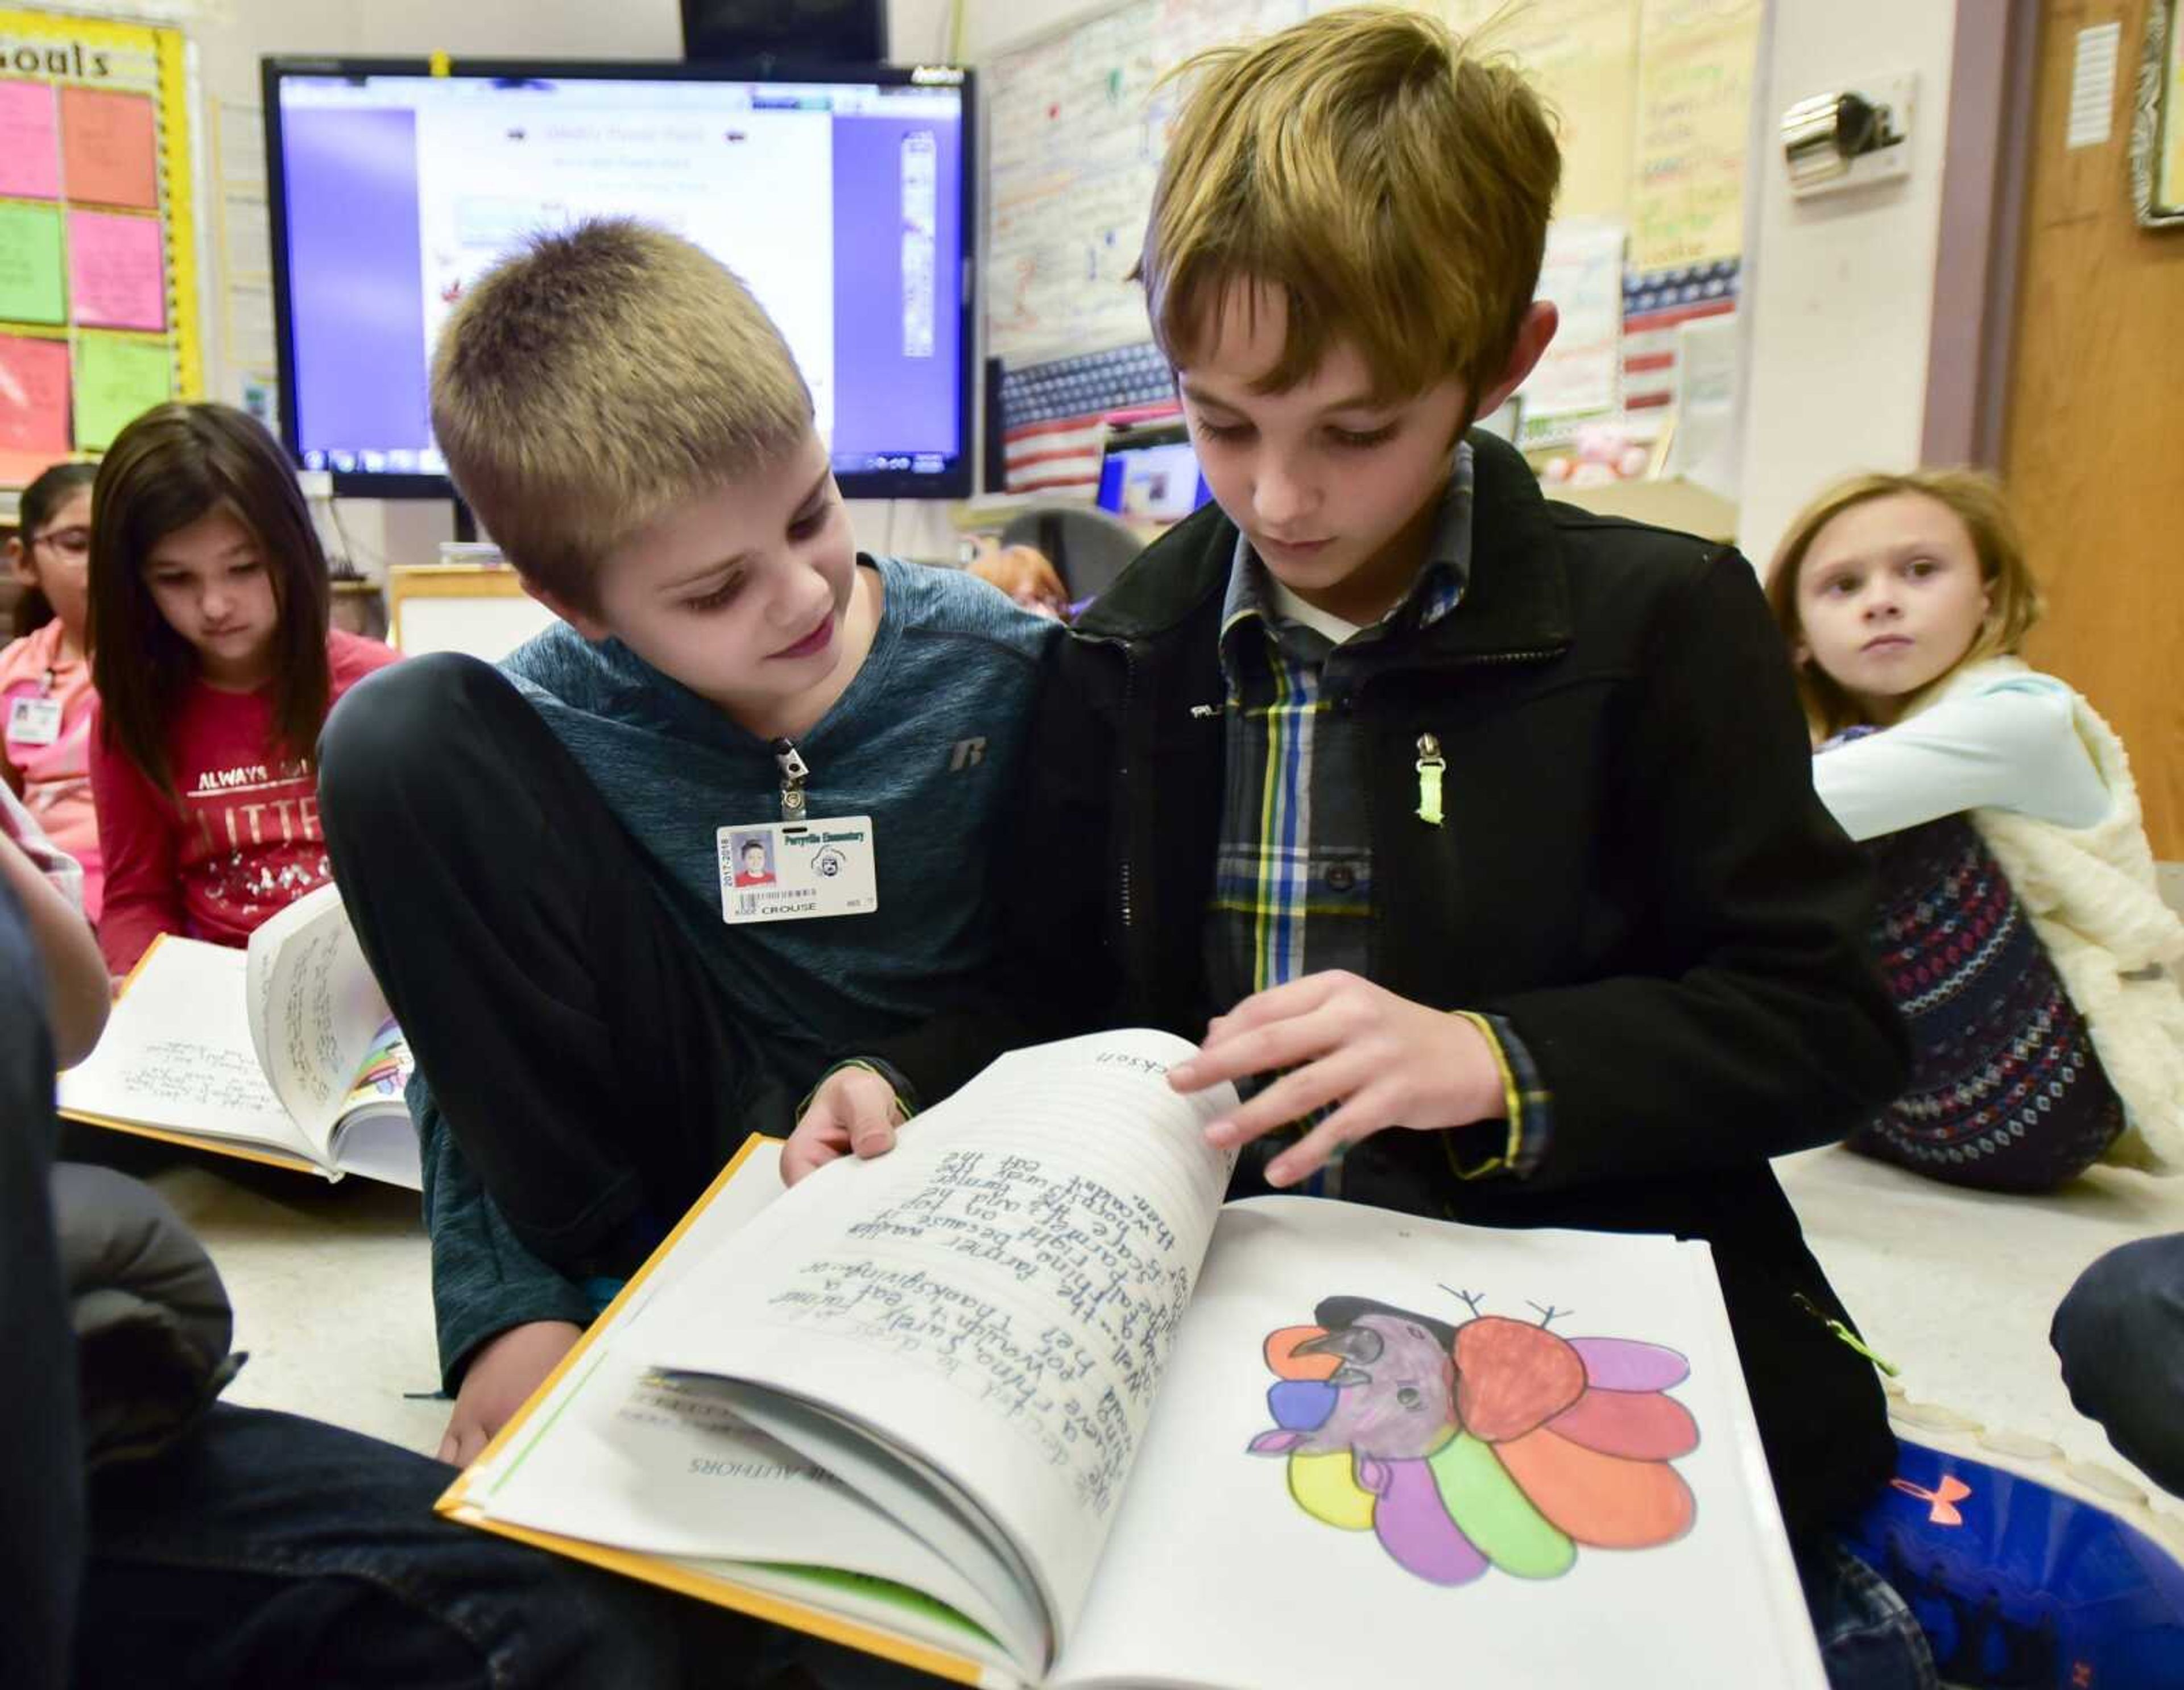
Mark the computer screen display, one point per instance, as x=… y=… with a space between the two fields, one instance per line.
x=840 y=203
x=1152 y=473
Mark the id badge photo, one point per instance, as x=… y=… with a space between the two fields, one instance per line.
x=794 y=871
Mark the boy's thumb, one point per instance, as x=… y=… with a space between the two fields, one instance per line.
x=865 y=1104
x=871 y=1132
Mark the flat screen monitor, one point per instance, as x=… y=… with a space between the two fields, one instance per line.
x=840 y=198
x=1152 y=473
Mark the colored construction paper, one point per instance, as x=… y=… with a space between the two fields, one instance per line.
x=34 y=396
x=30 y=144
x=109 y=148
x=30 y=290
x=116 y=380
x=117 y=270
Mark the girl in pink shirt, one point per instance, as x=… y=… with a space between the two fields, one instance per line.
x=215 y=669
x=45 y=676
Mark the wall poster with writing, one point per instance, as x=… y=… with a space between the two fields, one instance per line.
x=1651 y=101
x=98 y=270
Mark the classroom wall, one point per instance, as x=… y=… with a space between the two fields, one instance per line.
x=1842 y=294
x=230 y=35
x=1841 y=288
x=991 y=25
x=1863 y=311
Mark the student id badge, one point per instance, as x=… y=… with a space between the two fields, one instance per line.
x=33 y=721
x=790 y=871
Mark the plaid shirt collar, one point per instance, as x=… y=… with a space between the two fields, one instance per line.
x=1435 y=591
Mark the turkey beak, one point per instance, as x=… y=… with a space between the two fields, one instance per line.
x=1360 y=1345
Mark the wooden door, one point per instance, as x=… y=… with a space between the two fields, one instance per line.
x=2093 y=445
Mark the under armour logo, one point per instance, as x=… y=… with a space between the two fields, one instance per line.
x=1945 y=1500
x=965 y=754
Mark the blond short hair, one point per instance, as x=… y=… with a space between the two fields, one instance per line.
x=1394 y=187
x=1977 y=500
x=594 y=381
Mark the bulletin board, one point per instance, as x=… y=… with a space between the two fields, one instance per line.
x=1653 y=96
x=97 y=246
x=1076 y=131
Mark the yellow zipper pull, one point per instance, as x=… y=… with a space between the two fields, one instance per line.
x=1430 y=764
x=1844 y=1333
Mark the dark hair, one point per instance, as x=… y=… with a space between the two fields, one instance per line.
x=40 y=500
x=175 y=464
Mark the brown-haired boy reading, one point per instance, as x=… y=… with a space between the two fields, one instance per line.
x=1474 y=835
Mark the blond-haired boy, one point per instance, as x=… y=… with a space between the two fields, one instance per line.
x=535 y=855
x=1478 y=832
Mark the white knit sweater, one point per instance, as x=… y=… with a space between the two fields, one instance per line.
x=2091 y=895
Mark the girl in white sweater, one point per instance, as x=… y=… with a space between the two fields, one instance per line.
x=2019 y=928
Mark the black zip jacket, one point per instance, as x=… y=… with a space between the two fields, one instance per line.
x=1633 y=871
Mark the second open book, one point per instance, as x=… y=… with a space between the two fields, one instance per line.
x=282 y=1053
x=1022 y=1402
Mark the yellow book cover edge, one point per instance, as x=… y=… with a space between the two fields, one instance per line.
x=454 y=1504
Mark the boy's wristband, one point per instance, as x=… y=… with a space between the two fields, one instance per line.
x=906 y=1097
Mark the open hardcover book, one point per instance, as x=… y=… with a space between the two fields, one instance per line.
x=1023 y=1402
x=282 y=1053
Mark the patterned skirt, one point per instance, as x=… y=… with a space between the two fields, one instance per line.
x=2007 y=1092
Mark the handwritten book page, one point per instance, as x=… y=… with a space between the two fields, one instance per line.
x=999 y=1293
x=314 y=1009
x=1296 y=1579
x=177 y=1055
x=606 y=1458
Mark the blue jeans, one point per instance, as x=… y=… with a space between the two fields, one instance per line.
x=2120 y=1336
x=1868 y=1639
x=276 y=1551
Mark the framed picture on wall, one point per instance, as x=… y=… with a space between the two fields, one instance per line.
x=2157 y=129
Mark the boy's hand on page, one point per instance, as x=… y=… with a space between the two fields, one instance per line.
x=501 y=1378
x=1336 y=1039
x=854 y=1109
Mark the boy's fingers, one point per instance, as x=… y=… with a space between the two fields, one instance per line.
x=1353 y=1121
x=1288 y=1099
x=463 y=1440
x=807 y=1151
x=1299 y=1037
x=1293 y=997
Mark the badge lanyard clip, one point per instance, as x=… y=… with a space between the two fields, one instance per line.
x=794 y=770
